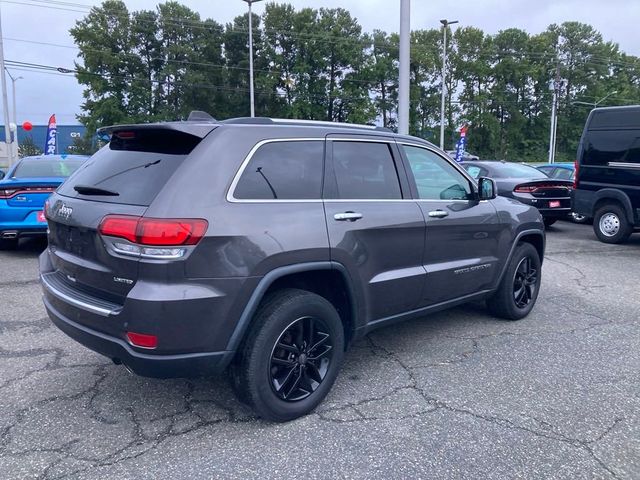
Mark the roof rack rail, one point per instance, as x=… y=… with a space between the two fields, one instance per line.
x=311 y=123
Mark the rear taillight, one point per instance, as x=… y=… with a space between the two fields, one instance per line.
x=531 y=188
x=7 y=193
x=153 y=237
x=524 y=189
x=575 y=174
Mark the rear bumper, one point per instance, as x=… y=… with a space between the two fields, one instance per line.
x=147 y=365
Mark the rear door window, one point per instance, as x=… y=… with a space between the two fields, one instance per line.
x=365 y=170
x=283 y=170
x=134 y=165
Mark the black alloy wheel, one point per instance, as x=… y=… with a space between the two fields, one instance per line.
x=525 y=282
x=300 y=359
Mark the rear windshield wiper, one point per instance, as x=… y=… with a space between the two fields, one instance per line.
x=89 y=190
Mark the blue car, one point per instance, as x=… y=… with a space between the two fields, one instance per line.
x=23 y=191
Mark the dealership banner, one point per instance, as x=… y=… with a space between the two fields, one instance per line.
x=461 y=143
x=52 y=136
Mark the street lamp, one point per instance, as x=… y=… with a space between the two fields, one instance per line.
x=253 y=110
x=13 y=89
x=594 y=104
x=445 y=24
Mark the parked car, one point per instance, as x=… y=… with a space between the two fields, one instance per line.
x=528 y=185
x=23 y=191
x=607 y=180
x=465 y=156
x=563 y=171
x=268 y=246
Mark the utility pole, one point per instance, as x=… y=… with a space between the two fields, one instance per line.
x=15 y=117
x=403 y=86
x=554 y=108
x=251 y=95
x=445 y=25
x=5 y=103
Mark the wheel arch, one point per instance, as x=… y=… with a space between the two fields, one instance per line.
x=327 y=279
x=535 y=238
x=615 y=196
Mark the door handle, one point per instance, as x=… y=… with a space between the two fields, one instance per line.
x=347 y=216
x=438 y=214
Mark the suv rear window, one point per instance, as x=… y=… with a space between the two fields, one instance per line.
x=135 y=164
x=288 y=170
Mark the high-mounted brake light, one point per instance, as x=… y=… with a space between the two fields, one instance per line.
x=125 y=135
x=153 y=232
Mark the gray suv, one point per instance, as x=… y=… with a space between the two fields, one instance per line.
x=266 y=247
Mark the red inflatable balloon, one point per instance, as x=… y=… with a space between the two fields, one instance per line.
x=27 y=126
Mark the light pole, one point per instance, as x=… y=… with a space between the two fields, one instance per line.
x=445 y=25
x=253 y=110
x=5 y=106
x=13 y=92
x=403 y=85
x=595 y=104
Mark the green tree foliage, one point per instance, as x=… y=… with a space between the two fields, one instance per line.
x=28 y=148
x=160 y=64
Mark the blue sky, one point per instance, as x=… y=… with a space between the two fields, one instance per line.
x=39 y=95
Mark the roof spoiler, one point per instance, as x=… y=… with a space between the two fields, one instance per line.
x=199 y=124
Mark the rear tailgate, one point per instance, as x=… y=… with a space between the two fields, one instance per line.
x=123 y=178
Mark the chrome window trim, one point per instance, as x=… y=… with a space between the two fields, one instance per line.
x=623 y=164
x=232 y=188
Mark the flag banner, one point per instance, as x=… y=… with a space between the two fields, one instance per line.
x=52 y=136
x=461 y=144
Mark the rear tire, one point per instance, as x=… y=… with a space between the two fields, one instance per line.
x=610 y=224
x=519 y=287
x=291 y=356
x=549 y=221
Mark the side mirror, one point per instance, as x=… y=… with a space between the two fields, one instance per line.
x=487 y=189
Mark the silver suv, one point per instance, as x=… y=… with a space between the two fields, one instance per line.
x=265 y=247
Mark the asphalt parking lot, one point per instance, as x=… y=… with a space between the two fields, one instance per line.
x=454 y=395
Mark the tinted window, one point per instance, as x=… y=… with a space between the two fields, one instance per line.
x=136 y=166
x=46 y=168
x=475 y=171
x=618 y=118
x=436 y=178
x=283 y=171
x=515 y=170
x=604 y=146
x=365 y=171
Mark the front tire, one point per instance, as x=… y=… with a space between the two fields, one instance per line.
x=610 y=224
x=291 y=356
x=520 y=285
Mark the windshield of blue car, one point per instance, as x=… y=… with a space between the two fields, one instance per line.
x=46 y=168
x=516 y=170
